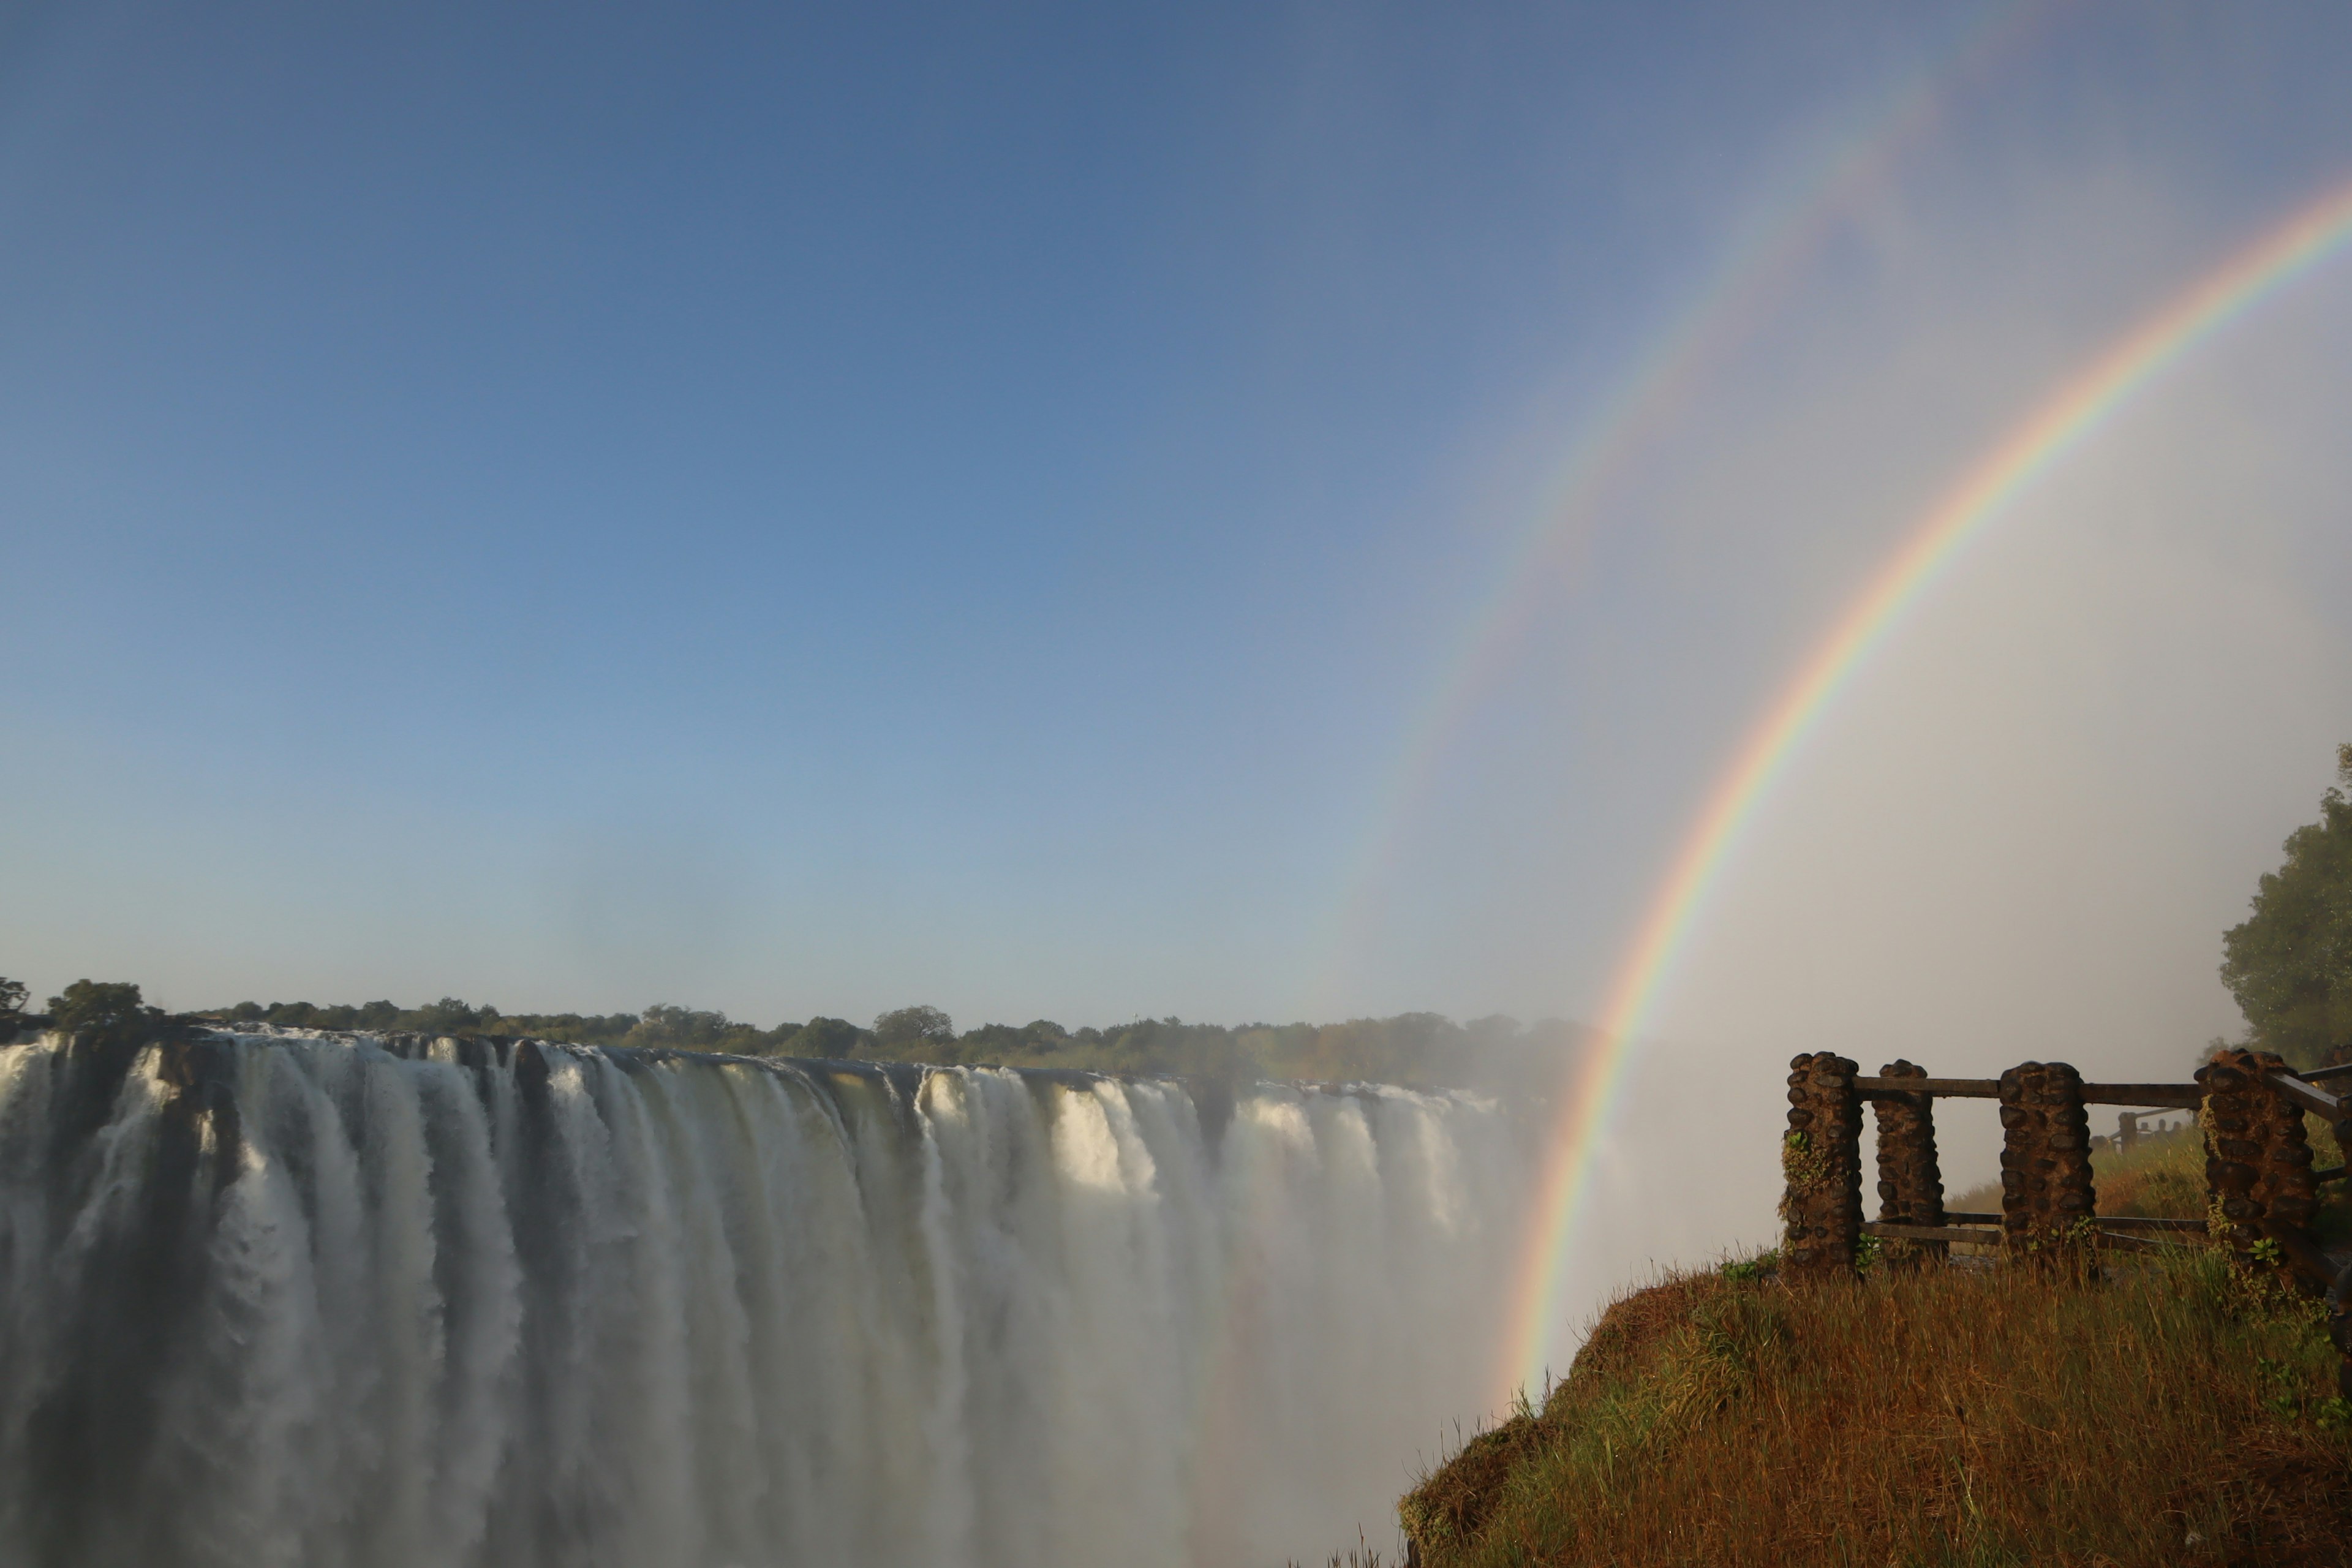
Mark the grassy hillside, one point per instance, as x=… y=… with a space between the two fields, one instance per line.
x=2173 y=1412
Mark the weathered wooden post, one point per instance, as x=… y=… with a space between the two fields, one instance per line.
x=2046 y=1197
x=2257 y=1159
x=1910 y=1186
x=1820 y=1159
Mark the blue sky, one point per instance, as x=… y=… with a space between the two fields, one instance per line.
x=807 y=510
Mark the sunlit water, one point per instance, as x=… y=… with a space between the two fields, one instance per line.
x=304 y=1299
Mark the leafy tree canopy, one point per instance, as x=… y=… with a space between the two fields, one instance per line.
x=829 y=1039
x=914 y=1025
x=104 y=1010
x=2289 y=963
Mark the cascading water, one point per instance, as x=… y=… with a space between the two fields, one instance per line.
x=324 y=1300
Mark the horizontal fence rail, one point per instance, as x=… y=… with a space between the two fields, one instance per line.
x=2262 y=1189
x=2181 y=1096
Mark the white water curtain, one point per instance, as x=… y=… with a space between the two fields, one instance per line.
x=401 y=1304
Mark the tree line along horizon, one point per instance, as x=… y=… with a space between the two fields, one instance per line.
x=1423 y=1050
x=2288 y=964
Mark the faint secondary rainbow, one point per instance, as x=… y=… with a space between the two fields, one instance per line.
x=1751 y=276
x=2073 y=412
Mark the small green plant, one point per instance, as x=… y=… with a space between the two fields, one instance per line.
x=1804 y=1170
x=2259 y=1285
x=2281 y=1386
x=1803 y=1167
x=2068 y=1247
x=1763 y=1266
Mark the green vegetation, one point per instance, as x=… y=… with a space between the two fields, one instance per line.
x=1415 y=1049
x=90 y=1005
x=2172 y=1411
x=2290 y=963
x=662 y=1025
x=107 y=1014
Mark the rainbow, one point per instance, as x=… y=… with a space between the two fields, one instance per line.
x=1739 y=294
x=2063 y=421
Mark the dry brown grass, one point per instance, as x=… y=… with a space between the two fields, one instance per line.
x=2162 y=1176
x=1945 y=1417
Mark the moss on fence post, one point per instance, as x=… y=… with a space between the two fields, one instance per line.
x=2047 y=1199
x=1910 y=1184
x=1821 y=1159
x=2257 y=1159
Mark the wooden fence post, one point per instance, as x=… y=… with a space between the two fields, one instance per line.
x=2257 y=1160
x=1820 y=1158
x=1910 y=1186
x=2046 y=1197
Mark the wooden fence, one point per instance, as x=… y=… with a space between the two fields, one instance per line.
x=2260 y=1184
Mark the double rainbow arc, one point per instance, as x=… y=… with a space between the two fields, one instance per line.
x=2076 y=409
x=1752 y=276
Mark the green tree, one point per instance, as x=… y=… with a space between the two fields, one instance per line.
x=2290 y=963
x=686 y=1029
x=105 y=1011
x=831 y=1040
x=904 y=1027
x=12 y=1006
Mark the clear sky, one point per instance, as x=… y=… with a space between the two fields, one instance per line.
x=809 y=510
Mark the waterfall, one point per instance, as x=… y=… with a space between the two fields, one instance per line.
x=315 y=1300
